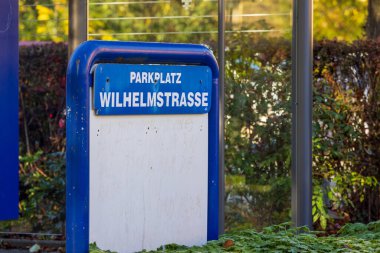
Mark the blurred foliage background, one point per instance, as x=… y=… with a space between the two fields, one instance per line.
x=163 y=20
x=340 y=19
x=346 y=127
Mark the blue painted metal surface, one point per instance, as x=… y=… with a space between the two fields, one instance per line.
x=79 y=80
x=9 y=109
x=122 y=89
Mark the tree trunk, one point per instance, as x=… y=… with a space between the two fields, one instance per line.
x=373 y=21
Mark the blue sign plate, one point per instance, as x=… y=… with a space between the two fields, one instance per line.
x=151 y=89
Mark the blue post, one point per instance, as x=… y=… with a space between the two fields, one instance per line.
x=9 y=109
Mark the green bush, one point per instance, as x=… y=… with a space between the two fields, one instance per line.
x=257 y=132
x=42 y=82
x=347 y=126
x=42 y=136
x=43 y=205
x=346 y=132
x=42 y=194
x=281 y=238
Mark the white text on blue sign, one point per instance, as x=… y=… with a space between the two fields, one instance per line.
x=151 y=89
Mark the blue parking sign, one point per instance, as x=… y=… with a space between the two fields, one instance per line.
x=142 y=126
x=124 y=89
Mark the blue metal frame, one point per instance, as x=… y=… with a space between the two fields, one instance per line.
x=9 y=110
x=79 y=80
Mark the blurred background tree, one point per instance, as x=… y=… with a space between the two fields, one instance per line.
x=44 y=20
x=340 y=19
x=47 y=20
x=373 y=20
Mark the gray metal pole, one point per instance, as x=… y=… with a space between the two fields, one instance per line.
x=302 y=79
x=221 y=47
x=77 y=23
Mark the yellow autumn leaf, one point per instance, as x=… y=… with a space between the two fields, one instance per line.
x=44 y=12
x=107 y=37
x=42 y=29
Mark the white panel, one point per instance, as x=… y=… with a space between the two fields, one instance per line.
x=148 y=181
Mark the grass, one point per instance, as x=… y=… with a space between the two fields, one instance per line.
x=356 y=237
